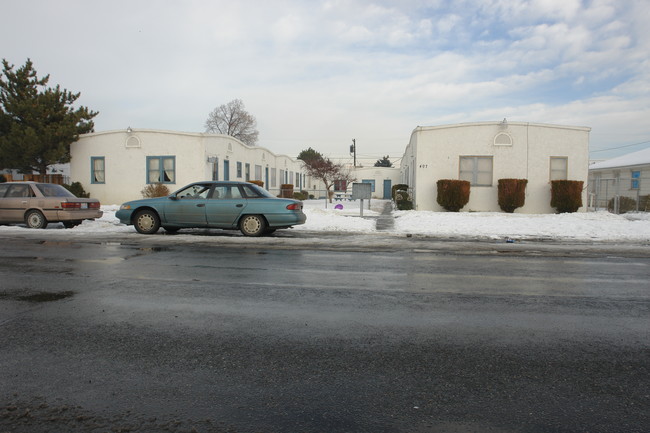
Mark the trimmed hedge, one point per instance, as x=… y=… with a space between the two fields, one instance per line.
x=286 y=190
x=512 y=194
x=566 y=195
x=257 y=182
x=453 y=194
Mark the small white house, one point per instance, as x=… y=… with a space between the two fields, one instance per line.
x=485 y=152
x=623 y=176
x=115 y=166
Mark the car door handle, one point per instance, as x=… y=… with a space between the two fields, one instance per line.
x=200 y=205
x=239 y=205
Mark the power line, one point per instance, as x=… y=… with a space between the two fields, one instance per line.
x=619 y=147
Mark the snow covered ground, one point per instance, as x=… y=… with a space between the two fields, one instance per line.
x=323 y=217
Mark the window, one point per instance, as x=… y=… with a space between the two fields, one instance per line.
x=371 y=182
x=636 y=177
x=161 y=169
x=274 y=178
x=97 y=171
x=239 y=170
x=559 y=165
x=258 y=172
x=215 y=169
x=247 y=172
x=502 y=139
x=476 y=169
x=226 y=192
x=340 y=185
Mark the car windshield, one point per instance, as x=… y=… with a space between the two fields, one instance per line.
x=52 y=190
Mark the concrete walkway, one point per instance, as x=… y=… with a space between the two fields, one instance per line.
x=386 y=220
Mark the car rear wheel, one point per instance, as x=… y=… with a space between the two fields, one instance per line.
x=34 y=219
x=252 y=225
x=146 y=222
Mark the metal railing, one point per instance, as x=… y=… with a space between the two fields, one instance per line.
x=619 y=194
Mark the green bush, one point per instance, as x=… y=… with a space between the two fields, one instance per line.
x=453 y=194
x=625 y=204
x=403 y=200
x=155 y=190
x=77 y=189
x=566 y=195
x=398 y=187
x=512 y=194
x=302 y=195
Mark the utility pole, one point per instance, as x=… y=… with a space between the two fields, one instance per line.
x=353 y=150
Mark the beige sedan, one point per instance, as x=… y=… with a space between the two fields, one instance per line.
x=37 y=204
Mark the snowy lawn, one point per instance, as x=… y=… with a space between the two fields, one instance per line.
x=321 y=216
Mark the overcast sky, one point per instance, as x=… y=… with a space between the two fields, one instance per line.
x=320 y=73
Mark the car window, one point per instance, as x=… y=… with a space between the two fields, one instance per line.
x=226 y=192
x=3 y=189
x=53 y=190
x=194 y=192
x=250 y=191
x=20 y=191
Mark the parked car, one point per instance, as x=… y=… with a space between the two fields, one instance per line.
x=37 y=204
x=214 y=204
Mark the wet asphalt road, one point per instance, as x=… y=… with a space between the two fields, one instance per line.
x=155 y=335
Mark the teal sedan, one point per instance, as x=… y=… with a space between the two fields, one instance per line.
x=221 y=205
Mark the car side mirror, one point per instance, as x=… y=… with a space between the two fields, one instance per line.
x=173 y=197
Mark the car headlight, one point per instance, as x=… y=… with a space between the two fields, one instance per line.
x=125 y=207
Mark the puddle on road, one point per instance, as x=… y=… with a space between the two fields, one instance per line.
x=36 y=296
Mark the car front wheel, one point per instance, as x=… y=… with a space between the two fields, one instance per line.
x=252 y=225
x=146 y=222
x=34 y=219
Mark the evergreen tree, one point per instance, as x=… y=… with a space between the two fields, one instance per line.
x=384 y=162
x=310 y=155
x=37 y=123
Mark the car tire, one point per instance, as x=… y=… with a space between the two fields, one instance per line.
x=252 y=225
x=34 y=219
x=146 y=222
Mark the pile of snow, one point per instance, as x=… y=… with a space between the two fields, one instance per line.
x=324 y=217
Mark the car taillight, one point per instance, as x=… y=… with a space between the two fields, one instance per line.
x=70 y=205
x=294 y=206
x=94 y=205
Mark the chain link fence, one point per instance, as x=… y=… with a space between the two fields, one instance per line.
x=619 y=194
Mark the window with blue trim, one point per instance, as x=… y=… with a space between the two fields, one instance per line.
x=161 y=169
x=636 y=177
x=371 y=182
x=97 y=169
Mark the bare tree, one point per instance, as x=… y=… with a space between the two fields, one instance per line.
x=232 y=119
x=328 y=172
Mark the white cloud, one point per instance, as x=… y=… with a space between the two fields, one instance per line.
x=324 y=72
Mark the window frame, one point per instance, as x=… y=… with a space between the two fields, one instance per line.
x=635 y=179
x=93 y=170
x=551 y=170
x=161 y=169
x=475 y=169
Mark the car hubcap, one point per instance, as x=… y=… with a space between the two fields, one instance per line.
x=145 y=222
x=34 y=220
x=251 y=225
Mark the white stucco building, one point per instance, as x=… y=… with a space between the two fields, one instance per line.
x=485 y=152
x=114 y=166
x=623 y=176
